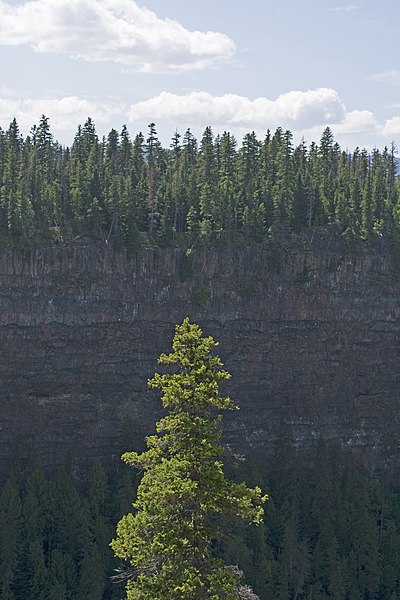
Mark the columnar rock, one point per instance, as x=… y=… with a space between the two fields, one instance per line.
x=310 y=333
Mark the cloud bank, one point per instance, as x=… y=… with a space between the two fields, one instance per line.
x=111 y=30
x=65 y=113
x=305 y=113
x=295 y=108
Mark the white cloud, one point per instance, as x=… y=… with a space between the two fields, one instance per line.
x=389 y=77
x=295 y=108
x=64 y=113
x=357 y=128
x=306 y=114
x=358 y=122
x=391 y=128
x=111 y=30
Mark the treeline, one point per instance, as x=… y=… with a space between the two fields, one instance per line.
x=126 y=191
x=329 y=532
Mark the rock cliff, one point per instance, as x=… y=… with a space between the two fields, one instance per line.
x=309 y=332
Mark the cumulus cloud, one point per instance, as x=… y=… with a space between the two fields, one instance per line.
x=295 y=108
x=305 y=113
x=357 y=128
x=358 y=121
x=64 y=113
x=111 y=30
x=391 y=128
x=388 y=77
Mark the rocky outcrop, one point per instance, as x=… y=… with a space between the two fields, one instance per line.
x=310 y=334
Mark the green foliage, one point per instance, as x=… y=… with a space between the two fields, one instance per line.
x=201 y=295
x=305 y=275
x=124 y=191
x=250 y=290
x=54 y=537
x=10 y=539
x=167 y=540
x=186 y=265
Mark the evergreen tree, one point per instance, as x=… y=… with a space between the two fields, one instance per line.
x=32 y=579
x=167 y=540
x=10 y=538
x=153 y=155
x=207 y=181
x=112 y=180
x=250 y=205
x=134 y=191
x=225 y=213
x=328 y=164
x=38 y=574
x=188 y=178
x=46 y=184
x=10 y=192
x=300 y=191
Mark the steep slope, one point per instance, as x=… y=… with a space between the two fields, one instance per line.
x=310 y=334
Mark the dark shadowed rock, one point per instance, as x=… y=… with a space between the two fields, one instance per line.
x=311 y=337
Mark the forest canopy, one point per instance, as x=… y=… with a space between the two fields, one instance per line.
x=129 y=191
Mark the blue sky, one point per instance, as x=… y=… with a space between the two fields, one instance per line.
x=234 y=65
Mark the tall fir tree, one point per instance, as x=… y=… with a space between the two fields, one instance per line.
x=167 y=540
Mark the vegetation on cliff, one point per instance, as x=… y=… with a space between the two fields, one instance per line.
x=127 y=192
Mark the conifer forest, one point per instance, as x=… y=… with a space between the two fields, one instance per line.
x=329 y=531
x=211 y=191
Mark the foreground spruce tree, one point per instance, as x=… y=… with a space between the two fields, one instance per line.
x=167 y=539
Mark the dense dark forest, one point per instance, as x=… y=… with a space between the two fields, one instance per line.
x=213 y=191
x=329 y=532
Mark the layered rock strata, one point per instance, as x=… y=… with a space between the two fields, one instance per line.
x=311 y=335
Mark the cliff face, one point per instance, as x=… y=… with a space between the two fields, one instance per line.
x=310 y=336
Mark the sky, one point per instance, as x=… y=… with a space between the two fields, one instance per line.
x=236 y=65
